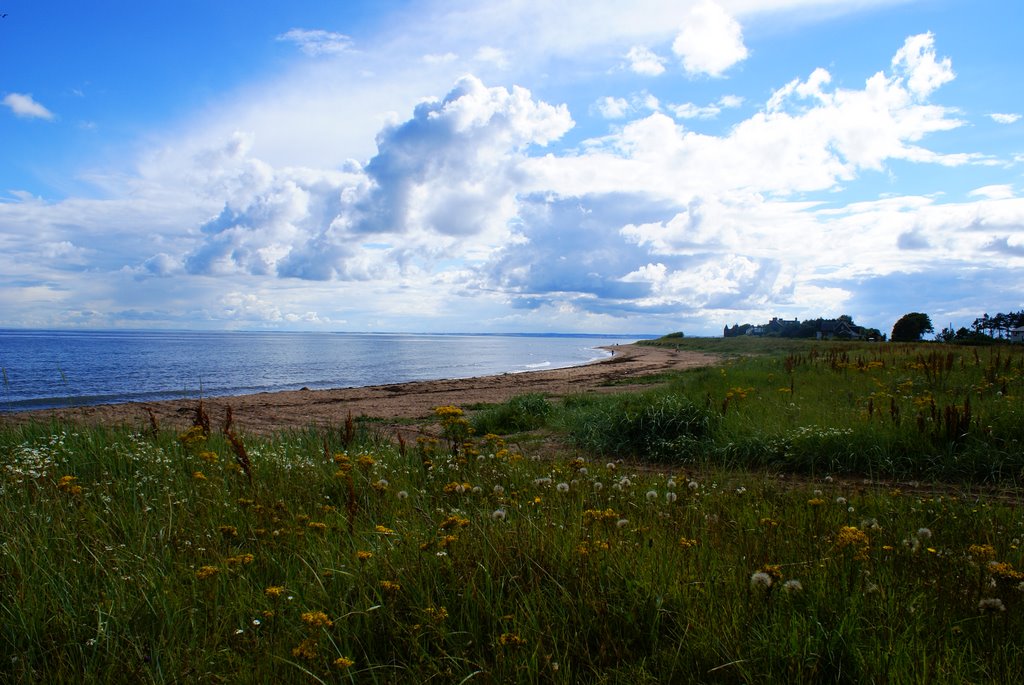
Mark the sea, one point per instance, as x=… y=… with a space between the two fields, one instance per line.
x=53 y=369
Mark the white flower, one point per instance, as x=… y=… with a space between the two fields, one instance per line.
x=740 y=490
x=760 y=579
x=563 y=487
x=991 y=605
x=651 y=495
x=498 y=514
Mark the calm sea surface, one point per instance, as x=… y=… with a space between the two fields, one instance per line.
x=43 y=369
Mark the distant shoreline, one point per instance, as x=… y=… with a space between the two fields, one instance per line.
x=270 y=411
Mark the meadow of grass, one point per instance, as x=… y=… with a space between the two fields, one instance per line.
x=138 y=555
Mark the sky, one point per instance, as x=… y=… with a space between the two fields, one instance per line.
x=516 y=166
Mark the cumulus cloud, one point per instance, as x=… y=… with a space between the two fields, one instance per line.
x=317 y=42
x=1001 y=191
x=23 y=105
x=710 y=42
x=612 y=108
x=689 y=110
x=916 y=62
x=644 y=61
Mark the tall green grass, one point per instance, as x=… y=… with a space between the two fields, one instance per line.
x=129 y=556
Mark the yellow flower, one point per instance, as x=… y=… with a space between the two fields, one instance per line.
x=362 y=555
x=390 y=586
x=240 y=559
x=511 y=640
x=317 y=526
x=815 y=502
x=306 y=649
x=198 y=475
x=454 y=521
x=274 y=591
x=343 y=662
x=205 y=572
x=317 y=619
x=686 y=543
x=383 y=530
x=228 y=531
x=982 y=552
x=208 y=456
x=366 y=460
x=437 y=614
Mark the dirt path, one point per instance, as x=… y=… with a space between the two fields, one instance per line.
x=265 y=412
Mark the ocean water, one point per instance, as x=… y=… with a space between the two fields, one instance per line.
x=45 y=369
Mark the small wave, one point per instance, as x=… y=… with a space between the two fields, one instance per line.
x=538 y=365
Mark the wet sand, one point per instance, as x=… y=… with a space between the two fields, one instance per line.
x=266 y=412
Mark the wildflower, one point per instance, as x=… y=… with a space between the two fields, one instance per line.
x=436 y=614
x=390 y=586
x=498 y=514
x=498 y=490
x=511 y=640
x=924 y=533
x=651 y=495
x=316 y=619
x=305 y=650
x=991 y=605
x=384 y=530
x=317 y=526
x=454 y=521
x=740 y=490
x=402 y=494
x=982 y=552
x=366 y=460
x=67 y=484
x=622 y=523
x=205 y=572
x=240 y=559
x=362 y=555
x=198 y=475
x=256 y=622
x=274 y=591
x=792 y=586
x=541 y=481
x=239 y=631
x=840 y=500
x=815 y=502
x=228 y=531
x=693 y=485
x=208 y=456
x=671 y=484
x=381 y=485
x=562 y=487
x=687 y=543
x=760 y=579
x=671 y=497
x=343 y=662
x=598 y=485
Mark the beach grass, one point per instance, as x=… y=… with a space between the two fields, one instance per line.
x=725 y=527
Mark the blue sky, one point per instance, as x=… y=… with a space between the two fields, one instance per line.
x=517 y=166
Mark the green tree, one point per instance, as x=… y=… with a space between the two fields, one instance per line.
x=911 y=327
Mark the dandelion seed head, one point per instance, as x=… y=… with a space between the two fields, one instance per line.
x=693 y=485
x=402 y=494
x=991 y=605
x=793 y=585
x=671 y=497
x=651 y=495
x=760 y=579
x=498 y=514
x=563 y=487
x=924 y=533
x=622 y=523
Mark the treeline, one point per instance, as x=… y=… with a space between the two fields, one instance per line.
x=985 y=329
x=841 y=328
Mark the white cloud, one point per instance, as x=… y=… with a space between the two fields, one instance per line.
x=1005 y=118
x=440 y=58
x=492 y=55
x=317 y=42
x=916 y=62
x=23 y=105
x=644 y=61
x=1002 y=191
x=612 y=108
x=710 y=42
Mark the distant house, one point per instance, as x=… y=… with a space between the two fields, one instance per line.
x=838 y=328
x=1017 y=334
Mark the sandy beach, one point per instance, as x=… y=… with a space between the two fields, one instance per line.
x=265 y=412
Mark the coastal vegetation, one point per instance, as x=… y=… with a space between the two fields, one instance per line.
x=801 y=512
